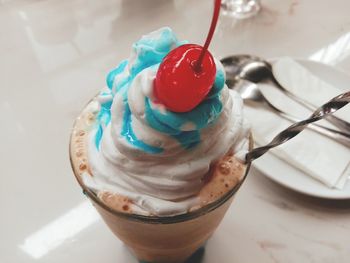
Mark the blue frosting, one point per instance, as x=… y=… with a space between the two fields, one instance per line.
x=129 y=134
x=111 y=75
x=103 y=117
x=150 y=51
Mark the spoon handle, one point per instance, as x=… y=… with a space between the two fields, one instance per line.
x=339 y=123
x=338 y=136
x=325 y=110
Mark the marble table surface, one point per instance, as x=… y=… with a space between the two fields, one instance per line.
x=54 y=56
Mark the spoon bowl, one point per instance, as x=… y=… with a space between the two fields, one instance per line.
x=247 y=67
x=258 y=70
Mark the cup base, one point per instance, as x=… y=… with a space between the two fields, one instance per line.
x=197 y=257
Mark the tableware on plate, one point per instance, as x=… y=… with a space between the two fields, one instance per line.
x=252 y=96
x=258 y=70
x=293 y=177
x=328 y=108
x=241 y=9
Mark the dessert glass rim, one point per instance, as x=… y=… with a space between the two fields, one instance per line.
x=172 y=219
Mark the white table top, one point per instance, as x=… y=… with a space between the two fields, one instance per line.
x=54 y=56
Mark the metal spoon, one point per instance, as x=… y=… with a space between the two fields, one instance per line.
x=325 y=110
x=251 y=94
x=258 y=70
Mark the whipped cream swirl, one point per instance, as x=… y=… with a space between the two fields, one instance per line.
x=155 y=157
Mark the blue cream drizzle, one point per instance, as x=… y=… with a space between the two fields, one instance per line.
x=150 y=51
x=129 y=134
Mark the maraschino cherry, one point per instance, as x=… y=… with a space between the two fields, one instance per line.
x=187 y=73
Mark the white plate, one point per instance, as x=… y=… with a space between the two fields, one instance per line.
x=289 y=176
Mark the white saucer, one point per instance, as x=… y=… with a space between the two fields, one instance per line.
x=289 y=176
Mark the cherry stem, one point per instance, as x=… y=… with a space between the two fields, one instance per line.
x=214 y=21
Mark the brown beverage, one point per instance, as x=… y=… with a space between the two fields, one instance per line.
x=160 y=239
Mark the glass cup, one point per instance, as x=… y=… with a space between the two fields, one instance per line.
x=171 y=239
x=240 y=9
